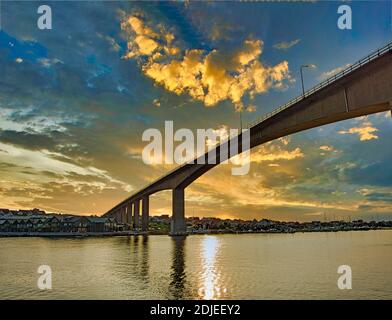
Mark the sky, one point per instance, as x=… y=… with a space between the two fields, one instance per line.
x=76 y=99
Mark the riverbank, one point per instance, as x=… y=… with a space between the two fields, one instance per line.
x=69 y=234
x=194 y=232
x=283 y=232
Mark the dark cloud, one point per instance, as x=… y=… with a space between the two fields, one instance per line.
x=376 y=174
x=28 y=140
x=379 y=196
x=6 y=165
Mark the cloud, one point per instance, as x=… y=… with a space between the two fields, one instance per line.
x=286 y=45
x=28 y=140
x=365 y=133
x=47 y=161
x=47 y=63
x=331 y=73
x=285 y=140
x=314 y=214
x=220 y=31
x=274 y=165
x=113 y=45
x=144 y=41
x=33 y=119
x=326 y=148
x=157 y=103
x=207 y=76
x=54 y=181
x=378 y=195
x=276 y=154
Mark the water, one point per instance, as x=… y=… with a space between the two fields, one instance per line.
x=249 y=266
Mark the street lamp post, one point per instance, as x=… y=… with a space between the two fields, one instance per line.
x=241 y=121
x=311 y=66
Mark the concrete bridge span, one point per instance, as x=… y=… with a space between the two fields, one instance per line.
x=362 y=89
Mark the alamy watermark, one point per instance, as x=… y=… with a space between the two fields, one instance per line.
x=209 y=147
x=345 y=20
x=44 y=281
x=345 y=280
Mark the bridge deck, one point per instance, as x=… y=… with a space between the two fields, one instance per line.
x=363 y=88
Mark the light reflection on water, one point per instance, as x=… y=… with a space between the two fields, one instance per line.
x=210 y=286
x=254 y=266
x=178 y=274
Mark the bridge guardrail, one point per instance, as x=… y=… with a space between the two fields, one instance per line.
x=356 y=65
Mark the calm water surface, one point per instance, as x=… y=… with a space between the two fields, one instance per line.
x=252 y=266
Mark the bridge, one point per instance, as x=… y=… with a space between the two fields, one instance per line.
x=362 y=89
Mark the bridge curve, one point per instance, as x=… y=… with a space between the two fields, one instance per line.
x=362 y=89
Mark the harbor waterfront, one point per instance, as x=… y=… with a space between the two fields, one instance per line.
x=246 y=266
x=36 y=223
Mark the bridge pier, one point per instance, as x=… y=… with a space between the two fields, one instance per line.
x=129 y=213
x=390 y=106
x=145 y=215
x=123 y=211
x=136 y=215
x=178 y=225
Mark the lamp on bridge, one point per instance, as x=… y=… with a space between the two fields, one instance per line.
x=310 y=66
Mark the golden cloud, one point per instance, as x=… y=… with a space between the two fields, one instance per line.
x=365 y=133
x=275 y=154
x=326 y=148
x=210 y=77
x=268 y=153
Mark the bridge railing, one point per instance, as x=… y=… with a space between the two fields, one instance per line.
x=325 y=83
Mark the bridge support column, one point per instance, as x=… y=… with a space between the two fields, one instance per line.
x=123 y=211
x=136 y=215
x=178 y=225
x=129 y=213
x=390 y=105
x=145 y=215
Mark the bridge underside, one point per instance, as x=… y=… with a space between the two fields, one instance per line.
x=365 y=91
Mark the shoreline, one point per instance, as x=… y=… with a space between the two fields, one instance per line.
x=133 y=233
x=68 y=234
x=283 y=232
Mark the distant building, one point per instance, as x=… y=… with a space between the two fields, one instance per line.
x=101 y=224
x=35 y=220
